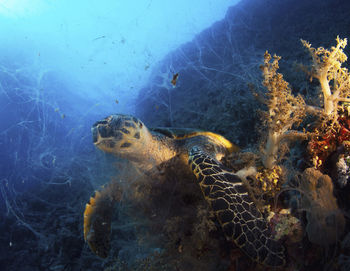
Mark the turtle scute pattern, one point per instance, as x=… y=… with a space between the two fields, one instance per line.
x=240 y=219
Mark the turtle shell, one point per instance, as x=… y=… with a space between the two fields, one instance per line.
x=176 y=133
x=185 y=133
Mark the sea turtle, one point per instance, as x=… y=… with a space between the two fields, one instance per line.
x=193 y=150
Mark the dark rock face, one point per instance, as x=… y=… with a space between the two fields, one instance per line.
x=219 y=68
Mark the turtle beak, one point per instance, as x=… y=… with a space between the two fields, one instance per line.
x=99 y=129
x=94 y=134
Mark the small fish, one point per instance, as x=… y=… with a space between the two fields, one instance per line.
x=57 y=109
x=63 y=116
x=175 y=77
x=116 y=101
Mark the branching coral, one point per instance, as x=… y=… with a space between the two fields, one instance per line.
x=284 y=110
x=334 y=79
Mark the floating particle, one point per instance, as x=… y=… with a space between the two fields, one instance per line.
x=57 y=109
x=101 y=37
x=63 y=116
x=116 y=101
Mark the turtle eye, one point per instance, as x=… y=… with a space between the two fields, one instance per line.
x=209 y=147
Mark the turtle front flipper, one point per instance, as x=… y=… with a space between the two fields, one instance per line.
x=98 y=217
x=240 y=219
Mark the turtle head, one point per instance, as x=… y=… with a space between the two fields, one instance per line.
x=122 y=135
x=127 y=137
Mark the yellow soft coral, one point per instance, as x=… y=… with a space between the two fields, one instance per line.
x=284 y=110
x=334 y=79
x=270 y=179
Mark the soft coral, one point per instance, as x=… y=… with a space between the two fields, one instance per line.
x=284 y=110
x=334 y=79
x=335 y=86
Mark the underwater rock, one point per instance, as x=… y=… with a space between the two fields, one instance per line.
x=324 y=218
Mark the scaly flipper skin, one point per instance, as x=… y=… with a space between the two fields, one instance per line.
x=98 y=217
x=241 y=221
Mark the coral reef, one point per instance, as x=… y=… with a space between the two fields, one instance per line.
x=284 y=224
x=286 y=111
x=334 y=82
x=327 y=136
